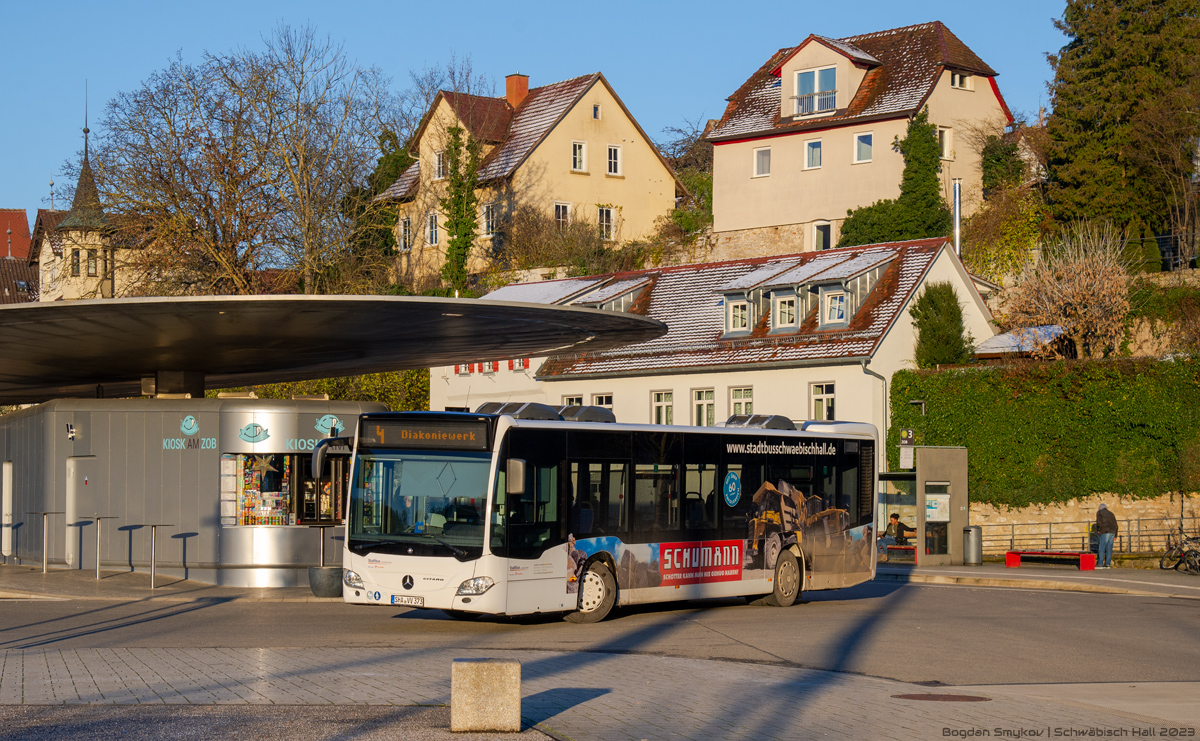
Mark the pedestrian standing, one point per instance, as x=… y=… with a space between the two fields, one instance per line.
x=1106 y=529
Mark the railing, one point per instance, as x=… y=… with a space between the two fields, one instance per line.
x=815 y=102
x=1142 y=535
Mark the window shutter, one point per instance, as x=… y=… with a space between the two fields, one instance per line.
x=510 y=364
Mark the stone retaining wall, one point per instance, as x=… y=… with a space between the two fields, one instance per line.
x=1144 y=523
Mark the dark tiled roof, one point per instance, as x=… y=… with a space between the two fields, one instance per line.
x=486 y=118
x=14 y=219
x=18 y=281
x=46 y=227
x=86 y=213
x=910 y=61
x=688 y=299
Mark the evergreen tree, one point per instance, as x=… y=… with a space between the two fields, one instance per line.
x=942 y=338
x=1122 y=57
x=460 y=205
x=920 y=211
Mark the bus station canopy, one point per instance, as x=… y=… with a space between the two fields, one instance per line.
x=107 y=346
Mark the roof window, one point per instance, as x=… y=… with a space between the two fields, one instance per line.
x=816 y=91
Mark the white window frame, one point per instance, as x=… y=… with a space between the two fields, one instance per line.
x=820 y=152
x=961 y=81
x=519 y=364
x=490 y=222
x=489 y=367
x=579 y=156
x=945 y=137
x=704 y=407
x=405 y=234
x=571 y=400
x=566 y=210
x=613 y=163
x=780 y=302
x=732 y=313
x=602 y=400
x=828 y=302
x=439 y=166
x=605 y=225
x=816 y=226
x=824 y=392
x=816 y=73
x=854 y=150
x=431 y=228
x=664 y=402
x=463 y=369
x=739 y=398
x=596 y=112
x=754 y=162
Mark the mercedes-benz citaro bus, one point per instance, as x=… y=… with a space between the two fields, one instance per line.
x=527 y=508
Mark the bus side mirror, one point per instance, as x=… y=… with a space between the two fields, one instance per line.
x=323 y=448
x=514 y=476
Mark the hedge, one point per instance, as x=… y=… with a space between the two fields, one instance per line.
x=1049 y=432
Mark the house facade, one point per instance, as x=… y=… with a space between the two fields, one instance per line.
x=570 y=150
x=812 y=336
x=73 y=250
x=810 y=135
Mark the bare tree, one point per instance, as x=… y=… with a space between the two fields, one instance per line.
x=1079 y=283
x=224 y=174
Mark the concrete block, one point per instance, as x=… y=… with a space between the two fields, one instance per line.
x=485 y=695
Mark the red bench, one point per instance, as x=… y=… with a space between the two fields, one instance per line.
x=912 y=548
x=1087 y=561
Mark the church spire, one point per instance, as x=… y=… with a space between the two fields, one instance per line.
x=86 y=213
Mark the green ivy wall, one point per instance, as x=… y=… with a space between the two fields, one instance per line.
x=1041 y=433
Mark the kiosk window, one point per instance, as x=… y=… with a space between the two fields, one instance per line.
x=277 y=489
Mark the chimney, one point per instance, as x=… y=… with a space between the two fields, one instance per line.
x=516 y=87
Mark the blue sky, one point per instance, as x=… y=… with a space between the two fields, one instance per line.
x=667 y=61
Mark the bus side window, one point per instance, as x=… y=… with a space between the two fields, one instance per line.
x=735 y=520
x=597 y=498
x=656 y=500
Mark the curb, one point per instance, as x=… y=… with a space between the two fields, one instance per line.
x=1040 y=584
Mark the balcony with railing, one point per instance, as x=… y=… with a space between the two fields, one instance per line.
x=813 y=103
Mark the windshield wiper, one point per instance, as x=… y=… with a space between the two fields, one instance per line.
x=459 y=553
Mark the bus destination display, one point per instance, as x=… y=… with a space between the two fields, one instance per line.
x=426 y=434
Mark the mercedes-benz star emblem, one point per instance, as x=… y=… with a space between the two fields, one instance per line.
x=408 y=582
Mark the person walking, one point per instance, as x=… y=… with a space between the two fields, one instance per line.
x=1106 y=529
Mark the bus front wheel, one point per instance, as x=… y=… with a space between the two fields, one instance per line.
x=787 y=580
x=597 y=595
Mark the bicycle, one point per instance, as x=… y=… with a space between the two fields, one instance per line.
x=1182 y=554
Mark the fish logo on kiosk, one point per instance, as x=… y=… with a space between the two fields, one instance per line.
x=189 y=425
x=329 y=425
x=254 y=433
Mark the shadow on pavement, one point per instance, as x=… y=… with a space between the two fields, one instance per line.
x=105 y=625
x=544 y=705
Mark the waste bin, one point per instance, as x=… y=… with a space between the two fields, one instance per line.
x=973 y=546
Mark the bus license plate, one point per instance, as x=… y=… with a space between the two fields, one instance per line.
x=399 y=599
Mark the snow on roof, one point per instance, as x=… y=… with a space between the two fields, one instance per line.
x=907 y=63
x=612 y=290
x=688 y=300
x=758 y=275
x=545 y=292
x=809 y=270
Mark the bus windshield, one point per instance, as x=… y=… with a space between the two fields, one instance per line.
x=417 y=502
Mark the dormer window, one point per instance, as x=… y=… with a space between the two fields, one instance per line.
x=738 y=316
x=785 y=311
x=833 y=308
x=816 y=91
x=960 y=81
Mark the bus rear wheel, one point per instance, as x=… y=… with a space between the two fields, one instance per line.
x=597 y=595
x=787 y=581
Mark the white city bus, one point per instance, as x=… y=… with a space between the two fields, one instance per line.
x=534 y=509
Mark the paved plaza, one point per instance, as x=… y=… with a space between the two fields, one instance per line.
x=581 y=695
x=86 y=659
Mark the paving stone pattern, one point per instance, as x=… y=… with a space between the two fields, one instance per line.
x=576 y=695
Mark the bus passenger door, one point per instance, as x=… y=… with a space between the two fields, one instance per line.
x=538 y=578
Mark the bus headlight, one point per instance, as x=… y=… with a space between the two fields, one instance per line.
x=351 y=579
x=478 y=585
